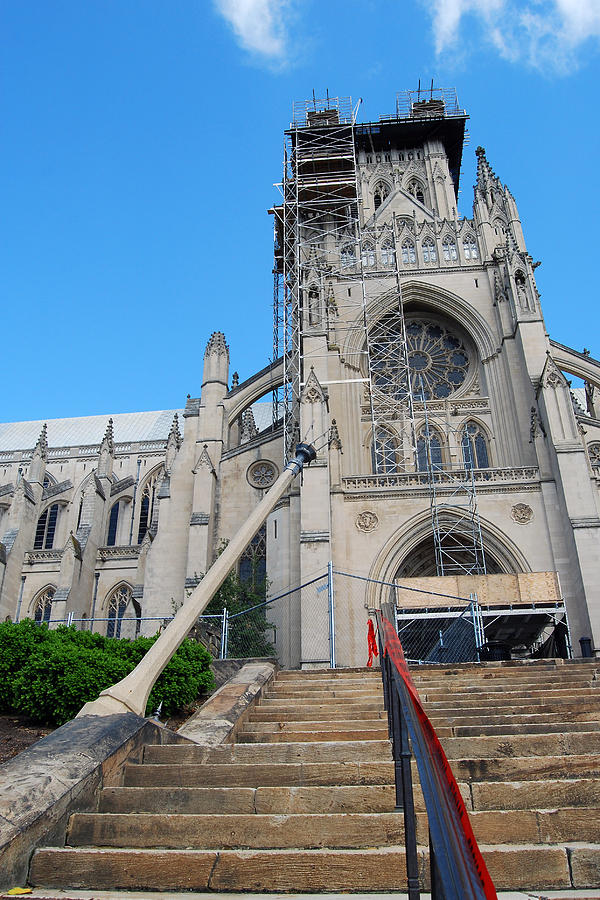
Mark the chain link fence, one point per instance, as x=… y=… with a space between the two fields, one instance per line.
x=323 y=623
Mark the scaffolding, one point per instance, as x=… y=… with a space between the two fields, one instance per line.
x=324 y=241
x=455 y=522
x=319 y=205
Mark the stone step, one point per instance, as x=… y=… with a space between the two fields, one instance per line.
x=272 y=726
x=261 y=831
x=282 y=800
x=297 y=774
x=375 y=702
x=269 y=722
x=281 y=736
x=531 y=729
x=508 y=677
x=564 y=716
x=247 y=800
x=265 y=754
x=292 y=688
x=315 y=713
x=508 y=746
x=329 y=674
x=507 y=694
x=547 y=794
x=542 y=703
x=483 y=747
x=259 y=775
x=526 y=866
x=227 y=832
x=331 y=697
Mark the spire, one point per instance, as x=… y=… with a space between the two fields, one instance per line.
x=174 y=442
x=42 y=443
x=108 y=443
x=174 y=433
x=107 y=452
x=249 y=429
x=39 y=458
x=217 y=344
x=485 y=173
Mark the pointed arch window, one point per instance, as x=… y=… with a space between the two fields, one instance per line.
x=387 y=253
x=348 y=255
x=449 y=249
x=474 y=447
x=146 y=506
x=409 y=255
x=368 y=254
x=46 y=529
x=253 y=562
x=416 y=189
x=429 y=251
x=594 y=454
x=384 y=452
x=42 y=606
x=117 y=605
x=380 y=193
x=470 y=248
x=113 y=524
x=313 y=304
x=429 y=449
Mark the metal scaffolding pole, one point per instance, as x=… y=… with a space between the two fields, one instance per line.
x=453 y=504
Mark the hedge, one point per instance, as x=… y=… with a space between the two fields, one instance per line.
x=49 y=674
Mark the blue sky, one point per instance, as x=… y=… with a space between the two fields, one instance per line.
x=140 y=144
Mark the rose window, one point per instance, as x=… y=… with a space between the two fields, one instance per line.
x=262 y=474
x=437 y=358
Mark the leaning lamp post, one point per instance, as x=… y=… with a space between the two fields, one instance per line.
x=132 y=692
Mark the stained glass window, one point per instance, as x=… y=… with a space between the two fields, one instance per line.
x=429 y=439
x=474 y=447
x=380 y=192
x=46 y=529
x=43 y=605
x=429 y=251
x=117 y=605
x=470 y=248
x=368 y=254
x=384 y=452
x=408 y=253
x=437 y=358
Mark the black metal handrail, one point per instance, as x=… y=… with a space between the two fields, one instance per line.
x=457 y=869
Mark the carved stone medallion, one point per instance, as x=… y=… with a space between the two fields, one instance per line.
x=367 y=521
x=521 y=513
x=262 y=474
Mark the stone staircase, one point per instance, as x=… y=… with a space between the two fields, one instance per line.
x=304 y=800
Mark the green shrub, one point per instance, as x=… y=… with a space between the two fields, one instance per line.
x=49 y=675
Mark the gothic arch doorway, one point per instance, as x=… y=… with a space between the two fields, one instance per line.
x=420 y=561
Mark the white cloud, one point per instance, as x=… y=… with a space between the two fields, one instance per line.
x=546 y=34
x=259 y=25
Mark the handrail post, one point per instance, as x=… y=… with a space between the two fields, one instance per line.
x=436 y=886
x=404 y=786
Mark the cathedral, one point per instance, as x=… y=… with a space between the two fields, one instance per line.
x=455 y=460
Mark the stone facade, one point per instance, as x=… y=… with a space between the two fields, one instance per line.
x=500 y=383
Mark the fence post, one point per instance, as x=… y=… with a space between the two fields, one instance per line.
x=477 y=622
x=70 y=617
x=330 y=603
x=223 y=633
x=18 y=615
